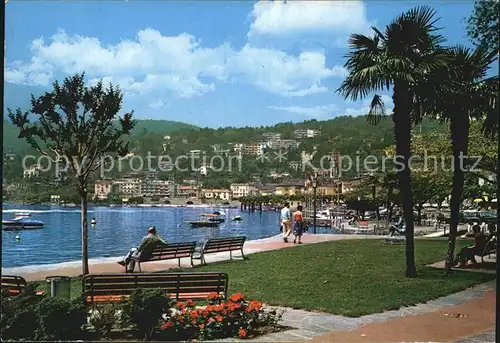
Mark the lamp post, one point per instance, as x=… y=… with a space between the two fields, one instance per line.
x=314 y=185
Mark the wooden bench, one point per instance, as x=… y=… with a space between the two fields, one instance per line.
x=169 y=252
x=226 y=244
x=106 y=288
x=13 y=284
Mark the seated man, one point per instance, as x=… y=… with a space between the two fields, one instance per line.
x=467 y=254
x=144 y=251
x=399 y=227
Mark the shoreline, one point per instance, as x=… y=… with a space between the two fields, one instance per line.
x=110 y=265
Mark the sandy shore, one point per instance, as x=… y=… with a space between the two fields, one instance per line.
x=109 y=265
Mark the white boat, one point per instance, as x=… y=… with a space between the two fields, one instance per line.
x=22 y=214
x=21 y=223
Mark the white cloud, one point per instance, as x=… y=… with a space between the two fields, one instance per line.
x=362 y=111
x=172 y=65
x=278 y=72
x=337 y=19
x=315 y=112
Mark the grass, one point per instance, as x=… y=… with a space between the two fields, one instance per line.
x=350 y=278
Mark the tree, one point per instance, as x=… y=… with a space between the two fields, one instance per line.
x=76 y=124
x=459 y=93
x=399 y=57
x=483 y=25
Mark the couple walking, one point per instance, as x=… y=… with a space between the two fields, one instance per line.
x=298 y=223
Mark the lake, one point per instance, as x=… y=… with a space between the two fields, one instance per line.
x=117 y=230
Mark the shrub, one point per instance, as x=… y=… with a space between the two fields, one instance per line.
x=144 y=310
x=18 y=318
x=59 y=319
x=104 y=318
x=235 y=318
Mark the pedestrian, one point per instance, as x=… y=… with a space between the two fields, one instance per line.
x=286 y=222
x=298 y=225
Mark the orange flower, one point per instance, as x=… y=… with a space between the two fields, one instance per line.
x=180 y=304
x=193 y=315
x=213 y=296
x=237 y=297
x=254 y=306
x=242 y=333
x=219 y=318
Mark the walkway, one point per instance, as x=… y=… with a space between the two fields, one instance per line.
x=451 y=318
x=109 y=265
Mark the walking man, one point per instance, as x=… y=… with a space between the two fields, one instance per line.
x=286 y=222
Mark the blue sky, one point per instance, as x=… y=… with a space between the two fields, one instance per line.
x=213 y=63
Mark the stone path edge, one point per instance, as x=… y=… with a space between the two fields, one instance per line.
x=307 y=325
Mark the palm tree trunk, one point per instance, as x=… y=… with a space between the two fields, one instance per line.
x=402 y=127
x=459 y=128
x=85 y=255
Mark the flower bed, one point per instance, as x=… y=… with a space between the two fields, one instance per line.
x=147 y=314
x=236 y=317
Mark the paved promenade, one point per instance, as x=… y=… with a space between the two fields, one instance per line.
x=467 y=316
x=109 y=265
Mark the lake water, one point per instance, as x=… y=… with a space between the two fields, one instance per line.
x=117 y=230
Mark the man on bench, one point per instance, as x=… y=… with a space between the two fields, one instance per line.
x=144 y=251
x=399 y=227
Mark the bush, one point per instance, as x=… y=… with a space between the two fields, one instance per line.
x=144 y=310
x=104 y=318
x=18 y=318
x=59 y=319
x=234 y=318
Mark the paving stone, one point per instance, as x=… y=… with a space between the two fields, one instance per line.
x=285 y=336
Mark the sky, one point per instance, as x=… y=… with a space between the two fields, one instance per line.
x=208 y=63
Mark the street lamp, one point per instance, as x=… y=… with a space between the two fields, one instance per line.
x=314 y=185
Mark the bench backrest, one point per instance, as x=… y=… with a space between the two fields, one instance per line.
x=13 y=284
x=363 y=224
x=224 y=244
x=173 y=250
x=180 y=286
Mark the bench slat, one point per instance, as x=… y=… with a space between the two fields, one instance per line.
x=112 y=287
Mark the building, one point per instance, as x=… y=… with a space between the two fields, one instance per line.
x=217 y=194
x=102 y=188
x=239 y=190
x=271 y=136
x=55 y=199
x=255 y=148
x=329 y=189
x=305 y=133
x=128 y=187
x=287 y=189
x=285 y=144
x=267 y=189
x=32 y=171
x=187 y=191
x=159 y=188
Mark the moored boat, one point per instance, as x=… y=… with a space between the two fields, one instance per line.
x=237 y=218
x=203 y=223
x=21 y=223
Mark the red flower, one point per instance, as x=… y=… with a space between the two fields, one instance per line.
x=190 y=303
x=180 y=305
x=193 y=314
x=242 y=333
x=167 y=325
x=254 y=306
x=219 y=318
x=237 y=297
x=202 y=326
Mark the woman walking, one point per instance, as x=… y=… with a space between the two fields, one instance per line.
x=298 y=225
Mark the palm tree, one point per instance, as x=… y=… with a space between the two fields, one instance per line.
x=400 y=57
x=458 y=94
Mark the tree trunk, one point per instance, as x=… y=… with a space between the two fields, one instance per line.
x=459 y=128
x=388 y=207
x=402 y=127
x=85 y=255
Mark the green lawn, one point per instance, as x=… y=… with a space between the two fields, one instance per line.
x=350 y=278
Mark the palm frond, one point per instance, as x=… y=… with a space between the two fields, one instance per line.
x=377 y=110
